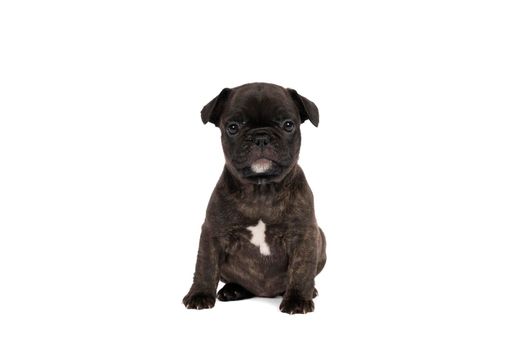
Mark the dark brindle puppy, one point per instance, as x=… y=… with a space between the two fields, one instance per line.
x=260 y=235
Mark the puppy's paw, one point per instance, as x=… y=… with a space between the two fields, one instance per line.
x=198 y=301
x=232 y=292
x=296 y=305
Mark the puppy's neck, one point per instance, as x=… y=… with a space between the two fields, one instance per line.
x=268 y=200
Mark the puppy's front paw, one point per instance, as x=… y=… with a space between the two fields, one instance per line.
x=296 y=305
x=198 y=301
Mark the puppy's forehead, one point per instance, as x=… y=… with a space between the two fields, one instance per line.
x=261 y=102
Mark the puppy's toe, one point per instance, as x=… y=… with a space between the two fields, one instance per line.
x=199 y=301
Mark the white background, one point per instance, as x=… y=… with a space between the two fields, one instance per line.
x=417 y=166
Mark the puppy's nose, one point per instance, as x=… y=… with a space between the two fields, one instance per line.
x=261 y=139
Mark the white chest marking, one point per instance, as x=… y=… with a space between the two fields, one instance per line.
x=258 y=237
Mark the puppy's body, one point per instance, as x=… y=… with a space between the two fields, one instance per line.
x=280 y=213
x=260 y=235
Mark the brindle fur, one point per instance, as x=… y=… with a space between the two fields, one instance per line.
x=284 y=203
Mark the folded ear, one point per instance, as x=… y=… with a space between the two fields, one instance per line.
x=213 y=110
x=307 y=109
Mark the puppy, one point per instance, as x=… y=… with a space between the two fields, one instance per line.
x=260 y=235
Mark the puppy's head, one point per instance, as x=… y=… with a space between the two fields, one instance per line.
x=259 y=124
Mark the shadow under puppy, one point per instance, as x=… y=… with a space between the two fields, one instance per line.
x=260 y=235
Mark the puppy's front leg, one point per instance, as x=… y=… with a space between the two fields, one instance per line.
x=203 y=291
x=301 y=273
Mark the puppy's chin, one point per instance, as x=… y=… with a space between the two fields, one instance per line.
x=261 y=166
x=261 y=171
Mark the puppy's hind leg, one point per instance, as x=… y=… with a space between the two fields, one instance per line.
x=232 y=292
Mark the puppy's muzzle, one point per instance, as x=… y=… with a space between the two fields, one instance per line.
x=261 y=139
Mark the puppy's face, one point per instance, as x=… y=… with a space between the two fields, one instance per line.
x=260 y=130
x=260 y=134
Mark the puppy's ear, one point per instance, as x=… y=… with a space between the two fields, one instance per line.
x=307 y=109
x=213 y=110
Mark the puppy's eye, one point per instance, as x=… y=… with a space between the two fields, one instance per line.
x=232 y=128
x=288 y=125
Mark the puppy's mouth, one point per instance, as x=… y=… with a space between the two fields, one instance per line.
x=261 y=171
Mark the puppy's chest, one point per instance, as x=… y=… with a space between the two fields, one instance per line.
x=258 y=239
